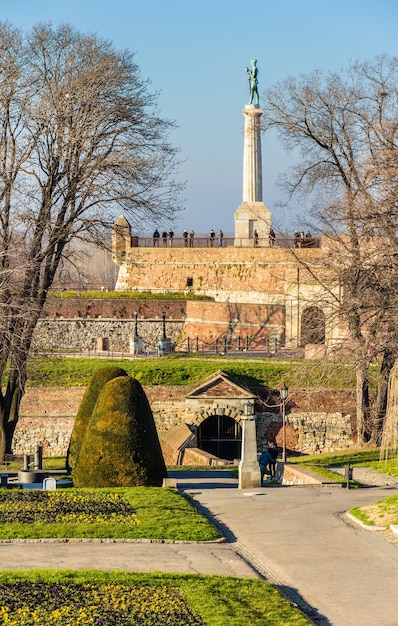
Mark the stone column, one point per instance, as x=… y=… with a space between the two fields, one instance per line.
x=249 y=469
x=252 y=213
x=252 y=166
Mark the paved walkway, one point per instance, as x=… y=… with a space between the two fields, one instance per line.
x=297 y=537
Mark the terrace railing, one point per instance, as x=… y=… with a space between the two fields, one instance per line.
x=227 y=242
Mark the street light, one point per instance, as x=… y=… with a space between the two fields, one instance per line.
x=284 y=392
x=248 y=409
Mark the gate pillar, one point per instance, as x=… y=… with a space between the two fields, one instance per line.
x=249 y=469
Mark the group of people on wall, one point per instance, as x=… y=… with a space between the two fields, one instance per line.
x=167 y=237
x=271 y=237
x=188 y=237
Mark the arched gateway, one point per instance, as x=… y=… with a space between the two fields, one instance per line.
x=220 y=435
x=214 y=411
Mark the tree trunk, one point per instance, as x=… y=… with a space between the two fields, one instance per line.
x=382 y=397
x=362 y=393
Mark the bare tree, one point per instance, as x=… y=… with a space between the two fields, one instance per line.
x=86 y=266
x=80 y=140
x=345 y=126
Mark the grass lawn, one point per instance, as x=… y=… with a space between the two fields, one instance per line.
x=123 y=513
x=364 y=457
x=381 y=513
x=125 y=295
x=191 y=369
x=117 y=598
x=122 y=599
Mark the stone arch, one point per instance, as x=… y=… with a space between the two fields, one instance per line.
x=207 y=412
x=313 y=326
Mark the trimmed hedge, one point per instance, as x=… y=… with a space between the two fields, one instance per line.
x=99 y=379
x=120 y=447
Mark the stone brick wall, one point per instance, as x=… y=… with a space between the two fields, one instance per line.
x=94 y=308
x=82 y=334
x=78 y=324
x=215 y=320
x=275 y=277
x=255 y=275
x=306 y=432
x=47 y=416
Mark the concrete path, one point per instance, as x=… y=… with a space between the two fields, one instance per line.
x=297 y=537
x=185 y=558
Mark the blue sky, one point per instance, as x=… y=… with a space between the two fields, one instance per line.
x=195 y=51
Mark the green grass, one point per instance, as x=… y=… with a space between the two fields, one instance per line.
x=126 y=295
x=385 y=467
x=189 y=370
x=329 y=475
x=381 y=513
x=364 y=457
x=162 y=514
x=214 y=600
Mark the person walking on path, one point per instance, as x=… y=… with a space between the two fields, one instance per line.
x=273 y=451
x=171 y=236
x=191 y=237
x=156 y=238
x=185 y=236
x=255 y=238
x=164 y=238
x=212 y=235
x=264 y=461
x=220 y=236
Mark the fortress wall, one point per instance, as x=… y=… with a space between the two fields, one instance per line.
x=94 y=308
x=255 y=275
x=259 y=293
x=47 y=416
x=82 y=335
x=216 y=320
x=274 y=277
x=205 y=320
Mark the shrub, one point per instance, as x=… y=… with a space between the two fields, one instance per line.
x=120 y=447
x=99 y=379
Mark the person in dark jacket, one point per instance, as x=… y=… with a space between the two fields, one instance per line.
x=273 y=452
x=264 y=461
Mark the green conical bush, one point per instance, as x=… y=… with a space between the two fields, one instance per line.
x=99 y=379
x=121 y=446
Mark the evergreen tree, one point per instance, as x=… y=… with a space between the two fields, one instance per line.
x=120 y=447
x=99 y=379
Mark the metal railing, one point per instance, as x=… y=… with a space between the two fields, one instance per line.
x=243 y=347
x=226 y=242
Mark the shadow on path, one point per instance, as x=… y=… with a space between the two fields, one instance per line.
x=204 y=479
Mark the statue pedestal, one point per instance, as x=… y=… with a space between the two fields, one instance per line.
x=252 y=216
x=165 y=346
x=249 y=469
x=135 y=344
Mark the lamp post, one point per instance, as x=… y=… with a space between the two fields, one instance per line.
x=248 y=409
x=284 y=393
x=136 y=340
